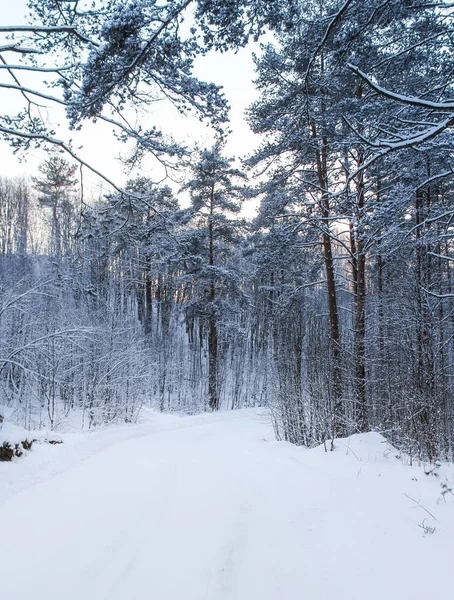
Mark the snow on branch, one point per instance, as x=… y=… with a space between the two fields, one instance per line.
x=36 y=69
x=47 y=30
x=409 y=100
x=19 y=49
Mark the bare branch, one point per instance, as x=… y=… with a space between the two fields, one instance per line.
x=36 y=69
x=47 y=30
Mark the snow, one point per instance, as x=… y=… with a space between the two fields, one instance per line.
x=212 y=507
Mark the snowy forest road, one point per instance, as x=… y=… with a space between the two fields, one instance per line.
x=217 y=510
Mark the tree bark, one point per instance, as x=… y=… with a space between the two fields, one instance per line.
x=338 y=413
x=213 y=392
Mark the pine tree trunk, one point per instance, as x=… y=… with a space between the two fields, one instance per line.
x=213 y=392
x=148 y=298
x=212 y=365
x=338 y=413
x=360 y=316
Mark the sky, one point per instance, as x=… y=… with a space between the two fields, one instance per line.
x=234 y=72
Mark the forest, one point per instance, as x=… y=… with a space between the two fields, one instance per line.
x=333 y=305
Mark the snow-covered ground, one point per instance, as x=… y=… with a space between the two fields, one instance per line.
x=211 y=507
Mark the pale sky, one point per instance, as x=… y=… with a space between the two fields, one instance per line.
x=233 y=71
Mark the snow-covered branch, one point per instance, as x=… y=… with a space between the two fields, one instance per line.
x=47 y=31
x=445 y=106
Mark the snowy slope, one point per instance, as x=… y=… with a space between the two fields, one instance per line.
x=210 y=507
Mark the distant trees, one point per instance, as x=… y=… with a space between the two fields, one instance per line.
x=215 y=192
x=15 y=210
x=55 y=191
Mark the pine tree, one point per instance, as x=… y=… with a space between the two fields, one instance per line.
x=56 y=188
x=214 y=192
